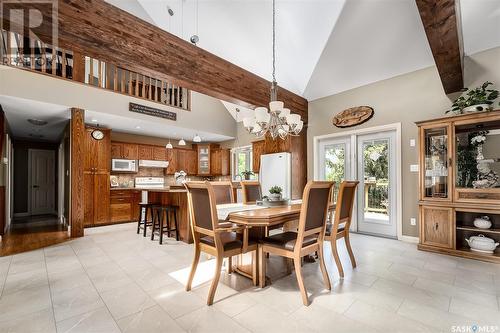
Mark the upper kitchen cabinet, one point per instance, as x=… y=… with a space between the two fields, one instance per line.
x=159 y=153
x=204 y=159
x=121 y=150
x=145 y=152
x=187 y=161
x=171 y=157
x=219 y=162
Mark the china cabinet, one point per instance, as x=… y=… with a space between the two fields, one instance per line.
x=459 y=183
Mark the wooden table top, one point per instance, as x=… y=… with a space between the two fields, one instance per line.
x=267 y=216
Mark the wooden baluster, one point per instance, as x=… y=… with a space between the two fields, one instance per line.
x=143 y=86
x=63 y=64
x=91 y=72
x=130 y=83
x=99 y=73
x=123 y=80
x=9 y=48
x=43 y=57
x=32 y=54
x=178 y=96
x=136 y=84
x=54 y=61
x=115 y=79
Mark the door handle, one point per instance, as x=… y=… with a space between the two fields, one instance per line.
x=436 y=226
x=36 y=186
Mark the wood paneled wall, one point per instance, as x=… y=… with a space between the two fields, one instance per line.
x=77 y=163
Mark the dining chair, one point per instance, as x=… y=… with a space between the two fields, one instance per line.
x=223 y=192
x=308 y=239
x=251 y=191
x=340 y=222
x=212 y=238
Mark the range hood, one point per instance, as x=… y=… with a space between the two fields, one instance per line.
x=153 y=164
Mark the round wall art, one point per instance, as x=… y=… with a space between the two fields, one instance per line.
x=353 y=116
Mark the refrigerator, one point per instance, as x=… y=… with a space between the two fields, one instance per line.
x=276 y=169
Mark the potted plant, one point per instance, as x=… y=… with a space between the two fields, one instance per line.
x=247 y=174
x=275 y=193
x=477 y=99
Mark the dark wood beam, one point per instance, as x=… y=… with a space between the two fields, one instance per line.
x=77 y=143
x=100 y=30
x=441 y=19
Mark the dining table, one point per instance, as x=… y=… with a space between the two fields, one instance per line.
x=257 y=219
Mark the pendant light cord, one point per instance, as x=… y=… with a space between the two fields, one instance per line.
x=274 y=40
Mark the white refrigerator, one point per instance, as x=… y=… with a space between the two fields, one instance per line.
x=276 y=169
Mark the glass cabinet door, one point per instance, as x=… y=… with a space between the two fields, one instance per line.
x=435 y=162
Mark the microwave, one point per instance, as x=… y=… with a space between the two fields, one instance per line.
x=119 y=165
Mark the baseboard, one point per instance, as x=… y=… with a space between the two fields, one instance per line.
x=22 y=214
x=409 y=239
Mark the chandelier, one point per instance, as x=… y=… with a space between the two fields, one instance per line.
x=279 y=121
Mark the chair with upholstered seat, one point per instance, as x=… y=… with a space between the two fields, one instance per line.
x=340 y=222
x=308 y=239
x=251 y=191
x=210 y=237
x=223 y=192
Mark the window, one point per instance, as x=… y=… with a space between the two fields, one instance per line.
x=241 y=162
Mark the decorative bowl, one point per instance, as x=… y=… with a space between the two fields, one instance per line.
x=480 y=243
x=482 y=222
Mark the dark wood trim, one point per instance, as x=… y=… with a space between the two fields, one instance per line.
x=2 y=188
x=110 y=34
x=441 y=19
x=77 y=163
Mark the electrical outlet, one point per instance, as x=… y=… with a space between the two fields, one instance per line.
x=413 y=167
x=413 y=221
x=412 y=143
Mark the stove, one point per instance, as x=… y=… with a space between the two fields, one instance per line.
x=149 y=182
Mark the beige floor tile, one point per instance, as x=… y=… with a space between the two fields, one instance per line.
x=422 y=272
x=24 y=302
x=29 y=279
x=75 y=302
x=209 y=319
x=98 y=321
x=126 y=300
x=481 y=314
x=151 y=320
x=383 y=320
x=62 y=281
x=176 y=301
x=153 y=278
x=37 y=322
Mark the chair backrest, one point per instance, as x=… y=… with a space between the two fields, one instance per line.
x=251 y=191
x=345 y=203
x=223 y=192
x=313 y=214
x=202 y=208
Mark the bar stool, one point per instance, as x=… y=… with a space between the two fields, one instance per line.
x=159 y=211
x=147 y=207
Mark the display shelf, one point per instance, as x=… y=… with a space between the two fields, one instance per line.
x=491 y=231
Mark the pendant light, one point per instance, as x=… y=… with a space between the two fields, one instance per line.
x=169 y=145
x=197 y=138
x=279 y=121
x=182 y=142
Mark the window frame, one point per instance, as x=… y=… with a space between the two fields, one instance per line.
x=235 y=176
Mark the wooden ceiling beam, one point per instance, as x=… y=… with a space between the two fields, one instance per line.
x=105 y=32
x=441 y=19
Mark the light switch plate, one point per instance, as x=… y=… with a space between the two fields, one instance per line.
x=413 y=167
x=413 y=221
x=412 y=143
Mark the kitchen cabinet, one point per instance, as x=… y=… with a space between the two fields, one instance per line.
x=204 y=155
x=171 y=156
x=96 y=178
x=219 y=162
x=145 y=152
x=128 y=151
x=187 y=160
x=124 y=205
x=159 y=153
x=438 y=227
x=258 y=149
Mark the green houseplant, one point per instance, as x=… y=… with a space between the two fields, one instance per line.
x=247 y=174
x=477 y=99
x=275 y=193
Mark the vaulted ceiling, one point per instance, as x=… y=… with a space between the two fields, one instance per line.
x=323 y=46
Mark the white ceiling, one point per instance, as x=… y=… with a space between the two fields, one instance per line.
x=19 y=110
x=323 y=46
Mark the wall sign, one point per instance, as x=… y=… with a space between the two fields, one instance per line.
x=353 y=116
x=152 y=111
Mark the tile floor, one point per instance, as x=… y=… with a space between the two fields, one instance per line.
x=114 y=280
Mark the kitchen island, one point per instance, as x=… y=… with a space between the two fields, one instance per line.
x=127 y=199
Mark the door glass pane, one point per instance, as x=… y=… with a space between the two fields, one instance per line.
x=436 y=163
x=376 y=180
x=335 y=165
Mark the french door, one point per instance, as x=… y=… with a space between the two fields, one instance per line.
x=370 y=159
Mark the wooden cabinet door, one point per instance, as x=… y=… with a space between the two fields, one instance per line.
x=88 y=198
x=101 y=198
x=172 y=161
x=181 y=160
x=145 y=152
x=225 y=162
x=159 y=153
x=103 y=154
x=191 y=162
x=90 y=159
x=436 y=226
x=257 y=151
x=116 y=150
x=215 y=162
x=130 y=151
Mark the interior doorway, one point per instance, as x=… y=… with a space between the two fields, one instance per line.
x=42 y=181
x=373 y=157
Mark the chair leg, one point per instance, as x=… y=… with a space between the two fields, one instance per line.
x=167 y=213
x=322 y=266
x=262 y=267
x=145 y=219
x=300 y=281
x=139 y=221
x=162 y=225
x=215 y=281
x=156 y=218
x=176 y=226
x=229 y=265
x=349 y=249
x=194 y=265
x=336 y=257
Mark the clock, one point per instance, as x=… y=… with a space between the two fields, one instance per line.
x=97 y=134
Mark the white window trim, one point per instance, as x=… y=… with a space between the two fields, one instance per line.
x=235 y=150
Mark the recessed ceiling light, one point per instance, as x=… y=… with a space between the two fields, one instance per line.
x=37 y=122
x=138 y=127
x=94 y=120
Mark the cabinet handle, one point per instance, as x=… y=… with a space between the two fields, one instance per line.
x=436 y=226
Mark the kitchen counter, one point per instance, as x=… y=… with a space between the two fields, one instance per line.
x=165 y=189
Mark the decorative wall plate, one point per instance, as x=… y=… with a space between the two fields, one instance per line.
x=353 y=116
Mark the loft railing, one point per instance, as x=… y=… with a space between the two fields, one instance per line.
x=43 y=58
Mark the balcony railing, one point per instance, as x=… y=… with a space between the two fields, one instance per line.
x=43 y=58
